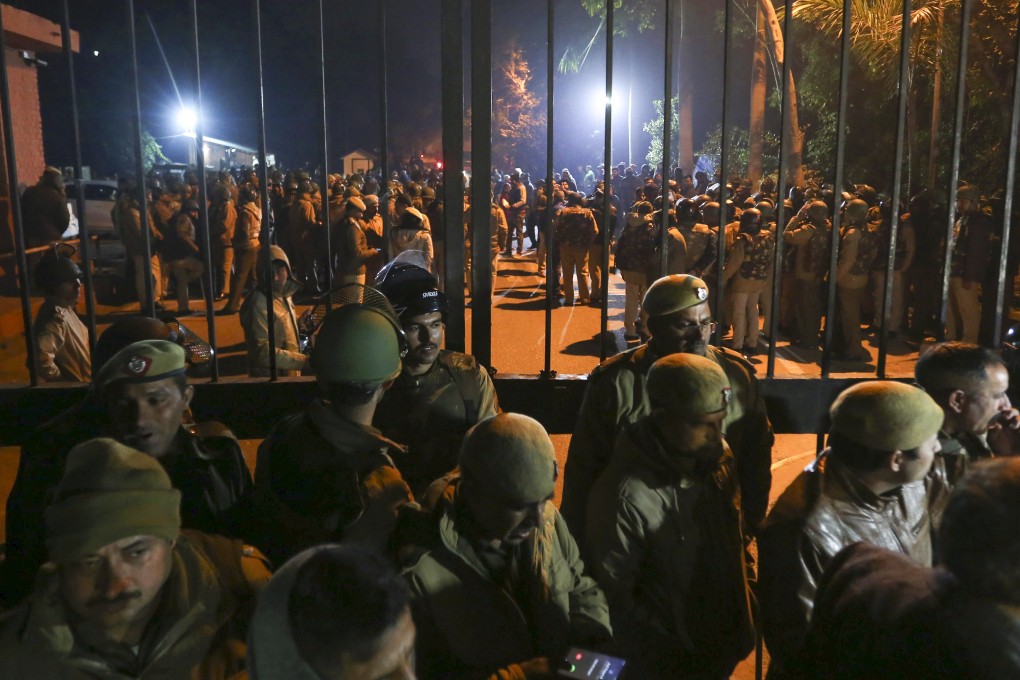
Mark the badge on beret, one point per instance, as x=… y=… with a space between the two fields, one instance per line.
x=702 y=293
x=727 y=395
x=138 y=365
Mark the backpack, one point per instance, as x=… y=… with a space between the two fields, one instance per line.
x=818 y=252
x=635 y=247
x=867 y=249
x=758 y=249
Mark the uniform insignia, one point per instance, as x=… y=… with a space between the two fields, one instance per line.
x=138 y=365
x=727 y=395
x=702 y=293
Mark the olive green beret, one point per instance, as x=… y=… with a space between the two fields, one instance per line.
x=885 y=415
x=511 y=456
x=143 y=361
x=690 y=383
x=673 y=293
x=109 y=492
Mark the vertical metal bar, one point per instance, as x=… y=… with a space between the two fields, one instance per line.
x=384 y=152
x=203 y=215
x=1007 y=204
x=83 y=225
x=452 y=49
x=325 y=154
x=19 y=224
x=667 y=137
x=894 y=224
x=954 y=173
x=149 y=298
x=777 y=263
x=724 y=173
x=481 y=165
x=606 y=203
x=837 y=218
x=550 y=271
x=263 y=179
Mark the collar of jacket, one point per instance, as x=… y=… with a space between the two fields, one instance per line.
x=842 y=483
x=363 y=446
x=533 y=554
x=964 y=443
x=191 y=607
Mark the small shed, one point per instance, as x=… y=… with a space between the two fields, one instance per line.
x=358 y=159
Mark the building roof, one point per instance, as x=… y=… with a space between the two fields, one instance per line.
x=26 y=31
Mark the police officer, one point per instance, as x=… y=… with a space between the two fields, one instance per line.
x=139 y=397
x=858 y=250
x=62 y=341
x=679 y=608
x=679 y=320
x=972 y=239
x=501 y=590
x=255 y=320
x=440 y=393
x=324 y=473
x=809 y=231
x=868 y=485
x=748 y=265
x=128 y=593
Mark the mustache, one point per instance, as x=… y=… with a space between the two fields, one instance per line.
x=119 y=599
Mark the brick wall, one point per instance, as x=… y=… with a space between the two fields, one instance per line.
x=27 y=121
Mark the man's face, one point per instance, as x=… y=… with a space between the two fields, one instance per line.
x=147 y=416
x=68 y=292
x=982 y=403
x=392 y=660
x=915 y=468
x=504 y=522
x=698 y=436
x=686 y=331
x=424 y=338
x=371 y=210
x=280 y=276
x=116 y=589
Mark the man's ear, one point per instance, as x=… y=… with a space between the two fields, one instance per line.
x=955 y=401
x=188 y=393
x=895 y=461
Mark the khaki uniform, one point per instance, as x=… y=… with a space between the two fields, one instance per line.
x=432 y=412
x=616 y=397
x=811 y=263
x=199 y=631
x=352 y=252
x=255 y=322
x=320 y=479
x=127 y=220
x=472 y=624
x=700 y=241
x=665 y=538
x=851 y=283
x=826 y=509
x=62 y=344
x=246 y=251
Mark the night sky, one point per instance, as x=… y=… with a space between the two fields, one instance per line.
x=292 y=76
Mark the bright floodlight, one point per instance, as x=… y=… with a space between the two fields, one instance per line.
x=187 y=119
x=600 y=100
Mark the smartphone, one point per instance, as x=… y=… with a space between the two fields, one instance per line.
x=588 y=665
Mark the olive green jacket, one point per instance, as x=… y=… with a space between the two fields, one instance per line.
x=666 y=543
x=616 y=397
x=471 y=627
x=198 y=631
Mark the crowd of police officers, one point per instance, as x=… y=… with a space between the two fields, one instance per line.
x=411 y=522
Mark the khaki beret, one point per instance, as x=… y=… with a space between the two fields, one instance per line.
x=143 y=361
x=690 y=383
x=511 y=456
x=673 y=293
x=885 y=415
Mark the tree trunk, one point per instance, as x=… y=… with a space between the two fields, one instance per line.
x=757 y=126
x=936 y=111
x=793 y=137
x=685 y=93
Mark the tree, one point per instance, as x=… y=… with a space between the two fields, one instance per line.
x=654 y=128
x=641 y=15
x=518 y=115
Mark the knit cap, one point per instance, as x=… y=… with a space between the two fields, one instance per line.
x=688 y=383
x=512 y=455
x=886 y=415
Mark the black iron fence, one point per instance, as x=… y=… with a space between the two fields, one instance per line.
x=479 y=78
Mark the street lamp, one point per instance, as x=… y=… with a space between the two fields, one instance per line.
x=187 y=121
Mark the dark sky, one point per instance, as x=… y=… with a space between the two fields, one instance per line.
x=292 y=75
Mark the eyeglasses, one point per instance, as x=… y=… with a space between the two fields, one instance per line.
x=701 y=327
